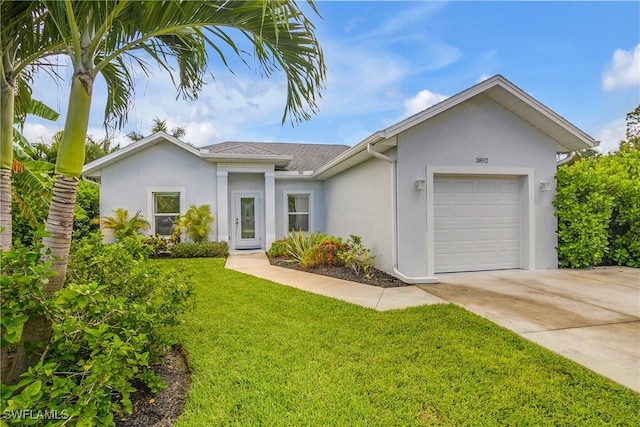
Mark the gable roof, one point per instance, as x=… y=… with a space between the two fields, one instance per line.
x=514 y=99
x=497 y=88
x=326 y=160
x=285 y=156
x=305 y=157
x=94 y=168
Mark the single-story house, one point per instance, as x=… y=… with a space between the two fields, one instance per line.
x=465 y=185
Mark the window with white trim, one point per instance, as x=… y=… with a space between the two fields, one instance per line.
x=166 y=210
x=298 y=213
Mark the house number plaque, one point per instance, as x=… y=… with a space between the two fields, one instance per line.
x=482 y=160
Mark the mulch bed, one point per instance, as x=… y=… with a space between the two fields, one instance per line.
x=377 y=277
x=163 y=409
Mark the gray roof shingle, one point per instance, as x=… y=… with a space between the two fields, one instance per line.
x=306 y=157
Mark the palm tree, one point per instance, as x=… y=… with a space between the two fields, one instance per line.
x=159 y=125
x=111 y=37
x=122 y=225
x=20 y=49
x=31 y=177
x=196 y=222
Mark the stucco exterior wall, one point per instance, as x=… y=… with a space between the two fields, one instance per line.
x=301 y=186
x=125 y=184
x=478 y=128
x=358 y=201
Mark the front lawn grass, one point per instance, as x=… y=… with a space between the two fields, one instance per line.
x=267 y=354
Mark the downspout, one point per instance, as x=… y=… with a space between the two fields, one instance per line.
x=394 y=221
x=566 y=159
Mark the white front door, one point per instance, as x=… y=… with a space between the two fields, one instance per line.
x=247 y=221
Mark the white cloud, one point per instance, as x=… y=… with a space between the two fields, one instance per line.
x=610 y=135
x=423 y=100
x=37 y=132
x=483 y=77
x=623 y=71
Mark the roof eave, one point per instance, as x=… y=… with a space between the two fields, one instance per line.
x=277 y=159
x=329 y=169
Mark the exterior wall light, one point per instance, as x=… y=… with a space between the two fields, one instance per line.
x=421 y=184
x=545 y=185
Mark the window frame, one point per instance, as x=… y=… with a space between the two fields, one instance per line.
x=151 y=214
x=310 y=213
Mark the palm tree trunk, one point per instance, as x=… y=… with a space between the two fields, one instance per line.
x=5 y=209
x=5 y=244
x=6 y=163
x=37 y=330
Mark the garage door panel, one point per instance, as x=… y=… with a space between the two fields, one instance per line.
x=476 y=223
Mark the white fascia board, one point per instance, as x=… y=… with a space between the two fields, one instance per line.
x=246 y=158
x=293 y=175
x=91 y=169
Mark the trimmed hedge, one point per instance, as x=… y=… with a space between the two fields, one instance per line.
x=598 y=209
x=200 y=250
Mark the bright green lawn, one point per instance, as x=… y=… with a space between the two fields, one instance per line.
x=267 y=354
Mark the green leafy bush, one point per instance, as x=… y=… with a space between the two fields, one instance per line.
x=598 y=209
x=298 y=243
x=122 y=225
x=356 y=256
x=278 y=249
x=24 y=276
x=89 y=201
x=196 y=222
x=200 y=250
x=113 y=319
x=324 y=253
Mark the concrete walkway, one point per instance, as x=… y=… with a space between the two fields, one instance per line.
x=589 y=316
x=257 y=264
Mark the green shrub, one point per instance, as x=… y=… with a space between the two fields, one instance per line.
x=113 y=318
x=278 y=249
x=298 y=243
x=200 y=250
x=598 y=209
x=122 y=225
x=89 y=200
x=324 y=253
x=622 y=172
x=583 y=208
x=196 y=222
x=87 y=210
x=356 y=256
x=157 y=245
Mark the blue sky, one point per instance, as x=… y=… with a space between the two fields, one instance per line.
x=387 y=60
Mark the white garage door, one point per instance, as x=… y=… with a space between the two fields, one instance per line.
x=477 y=223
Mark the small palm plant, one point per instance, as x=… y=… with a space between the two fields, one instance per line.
x=196 y=222
x=122 y=225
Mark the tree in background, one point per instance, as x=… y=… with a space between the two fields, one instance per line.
x=110 y=38
x=632 y=141
x=159 y=126
x=94 y=149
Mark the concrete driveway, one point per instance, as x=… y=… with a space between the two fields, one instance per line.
x=590 y=316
